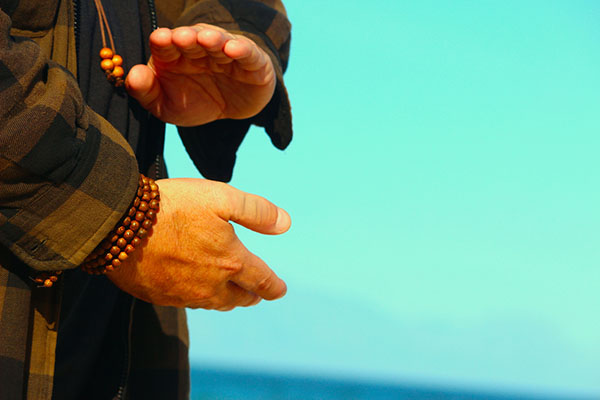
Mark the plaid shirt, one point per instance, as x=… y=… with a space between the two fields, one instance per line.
x=67 y=176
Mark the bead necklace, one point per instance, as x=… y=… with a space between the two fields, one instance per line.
x=111 y=62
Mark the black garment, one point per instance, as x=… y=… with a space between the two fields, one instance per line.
x=92 y=307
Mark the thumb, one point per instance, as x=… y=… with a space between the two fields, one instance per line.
x=141 y=83
x=256 y=213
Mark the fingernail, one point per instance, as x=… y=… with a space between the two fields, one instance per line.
x=283 y=220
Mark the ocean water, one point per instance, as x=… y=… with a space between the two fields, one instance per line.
x=208 y=384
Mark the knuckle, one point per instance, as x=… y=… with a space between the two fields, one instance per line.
x=266 y=210
x=204 y=294
x=222 y=194
x=232 y=265
x=264 y=285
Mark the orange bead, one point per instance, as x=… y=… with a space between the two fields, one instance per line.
x=151 y=215
x=107 y=65
x=118 y=72
x=117 y=60
x=139 y=216
x=143 y=206
x=106 y=53
x=48 y=283
x=135 y=225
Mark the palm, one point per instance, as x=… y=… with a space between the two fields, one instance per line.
x=200 y=74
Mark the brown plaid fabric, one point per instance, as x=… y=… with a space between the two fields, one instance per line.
x=66 y=177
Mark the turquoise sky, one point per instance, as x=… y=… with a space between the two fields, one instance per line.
x=443 y=184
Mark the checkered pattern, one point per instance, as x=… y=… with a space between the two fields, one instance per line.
x=67 y=176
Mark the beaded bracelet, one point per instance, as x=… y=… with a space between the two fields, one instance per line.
x=47 y=278
x=128 y=234
x=121 y=241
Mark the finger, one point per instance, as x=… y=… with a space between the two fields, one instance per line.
x=254 y=212
x=246 y=53
x=242 y=299
x=141 y=83
x=233 y=296
x=162 y=47
x=213 y=41
x=185 y=39
x=200 y=26
x=256 y=277
x=194 y=52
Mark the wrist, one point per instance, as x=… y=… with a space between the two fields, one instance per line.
x=129 y=233
x=123 y=240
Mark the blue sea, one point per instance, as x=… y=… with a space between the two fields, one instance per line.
x=209 y=384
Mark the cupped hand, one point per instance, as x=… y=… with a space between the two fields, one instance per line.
x=193 y=258
x=202 y=73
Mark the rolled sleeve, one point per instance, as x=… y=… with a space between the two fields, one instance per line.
x=66 y=175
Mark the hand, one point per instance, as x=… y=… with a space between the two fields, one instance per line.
x=202 y=73
x=192 y=258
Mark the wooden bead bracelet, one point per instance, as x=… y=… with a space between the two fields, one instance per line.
x=128 y=234
x=121 y=241
x=47 y=279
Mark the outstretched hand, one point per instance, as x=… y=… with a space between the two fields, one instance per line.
x=193 y=257
x=202 y=73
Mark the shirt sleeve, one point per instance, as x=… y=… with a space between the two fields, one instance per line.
x=213 y=146
x=66 y=175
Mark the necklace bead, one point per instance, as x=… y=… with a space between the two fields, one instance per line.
x=118 y=72
x=107 y=64
x=106 y=53
x=111 y=63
